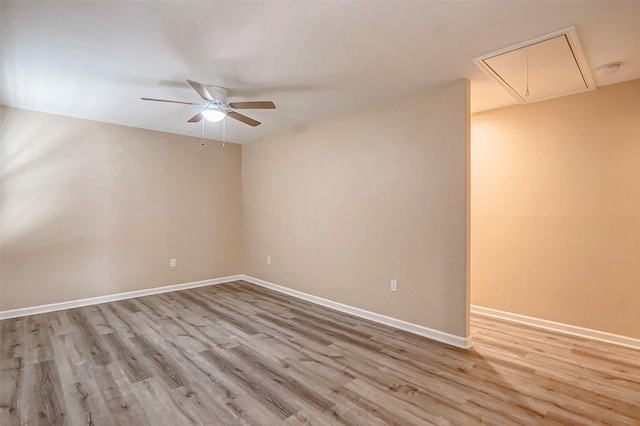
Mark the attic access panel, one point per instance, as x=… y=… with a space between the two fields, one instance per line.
x=543 y=68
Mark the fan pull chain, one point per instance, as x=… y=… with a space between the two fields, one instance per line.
x=224 y=131
x=203 y=132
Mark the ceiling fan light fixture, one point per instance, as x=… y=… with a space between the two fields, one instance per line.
x=213 y=114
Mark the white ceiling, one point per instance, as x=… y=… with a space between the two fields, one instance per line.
x=94 y=60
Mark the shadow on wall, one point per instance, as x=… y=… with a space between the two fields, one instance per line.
x=92 y=208
x=74 y=219
x=51 y=216
x=42 y=184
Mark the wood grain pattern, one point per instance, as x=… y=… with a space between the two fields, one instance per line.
x=241 y=354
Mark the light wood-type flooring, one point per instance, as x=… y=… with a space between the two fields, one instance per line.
x=240 y=354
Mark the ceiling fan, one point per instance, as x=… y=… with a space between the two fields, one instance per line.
x=215 y=106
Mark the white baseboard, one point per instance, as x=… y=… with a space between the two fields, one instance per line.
x=559 y=327
x=41 y=309
x=460 y=342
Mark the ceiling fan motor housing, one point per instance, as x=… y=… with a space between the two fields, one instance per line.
x=219 y=96
x=218 y=93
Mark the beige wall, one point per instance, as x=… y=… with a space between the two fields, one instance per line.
x=344 y=205
x=90 y=209
x=555 y=223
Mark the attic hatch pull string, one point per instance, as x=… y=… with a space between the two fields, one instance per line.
x=527 y=93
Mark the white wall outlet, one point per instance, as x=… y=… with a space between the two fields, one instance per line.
x=268 y=260
x=394 y=285
x=172 y=263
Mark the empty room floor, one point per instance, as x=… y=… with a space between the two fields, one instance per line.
x=240 y=354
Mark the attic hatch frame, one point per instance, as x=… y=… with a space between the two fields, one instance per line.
x=576 y=50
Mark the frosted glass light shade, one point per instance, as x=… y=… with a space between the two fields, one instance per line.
x=213 y=114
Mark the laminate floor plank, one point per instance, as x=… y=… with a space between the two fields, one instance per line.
x=13 y=339
x=238 y=354
x=120 y=318
x=252 y=413
x=92 y=342
x=303 y=395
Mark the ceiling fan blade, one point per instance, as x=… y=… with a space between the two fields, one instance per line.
x=246 y=120
x=164 y=100
x=201 y=89
x=253 y=105
x=195 y=118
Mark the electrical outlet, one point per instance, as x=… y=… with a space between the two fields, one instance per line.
x=172 y=263
x=394 y=285
x=268 y=260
